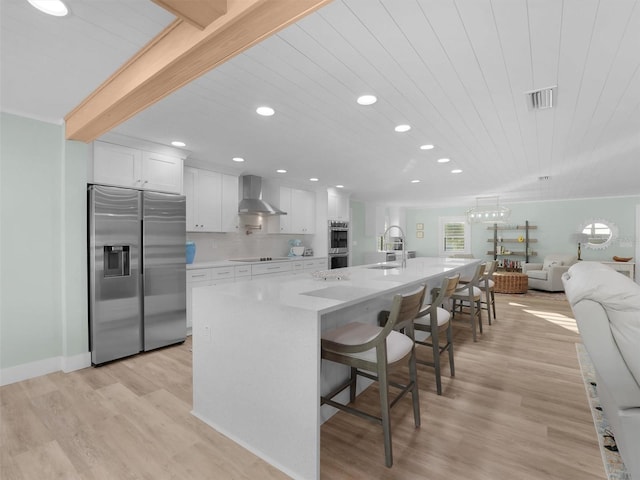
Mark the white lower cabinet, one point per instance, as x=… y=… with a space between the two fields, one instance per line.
x=316 y=264
x=261 y=269
x=202 y=277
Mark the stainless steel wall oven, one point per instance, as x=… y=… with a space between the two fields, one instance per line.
x=338 y=243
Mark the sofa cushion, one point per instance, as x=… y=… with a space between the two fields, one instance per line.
x=558 y=260
x=619 y=296
x=537 y=274
x=549 y=262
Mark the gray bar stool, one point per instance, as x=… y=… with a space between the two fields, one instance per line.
x=371 y=348
x=433 y=319
x=470 y=296
x=487 y=286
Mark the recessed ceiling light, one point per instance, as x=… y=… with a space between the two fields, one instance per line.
x=281 y=170
x=456 y=170
x=178 y=144
x=367 y=99
x=313 y=179
x=415 y=181
x=444 y=160
x=426 y=147
x=51 y=7
x=238 y=159
x=402 y=128
x=265 y=111
x=339 y=186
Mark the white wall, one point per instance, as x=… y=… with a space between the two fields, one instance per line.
x=42 y=249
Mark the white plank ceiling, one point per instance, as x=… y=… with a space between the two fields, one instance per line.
x=456 y=71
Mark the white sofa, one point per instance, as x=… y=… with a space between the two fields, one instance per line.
x=606 y=305
x=548 y=275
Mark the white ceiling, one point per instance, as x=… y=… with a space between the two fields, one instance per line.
x=456 y=71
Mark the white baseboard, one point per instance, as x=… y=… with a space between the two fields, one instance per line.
x=44 y=367
x=76 y=362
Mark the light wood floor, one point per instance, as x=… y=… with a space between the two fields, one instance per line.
x=516 y=409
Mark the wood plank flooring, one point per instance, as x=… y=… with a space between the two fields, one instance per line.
x=516 y=409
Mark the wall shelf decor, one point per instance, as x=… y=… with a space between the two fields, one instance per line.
x=512 y=244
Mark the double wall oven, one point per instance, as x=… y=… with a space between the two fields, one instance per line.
x=338 y=244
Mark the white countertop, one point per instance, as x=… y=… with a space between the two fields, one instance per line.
x=322 y=296
x=227 y=263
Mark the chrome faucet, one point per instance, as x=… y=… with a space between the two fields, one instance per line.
x=403 y=237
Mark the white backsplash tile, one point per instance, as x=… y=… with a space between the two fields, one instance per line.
x=223 y=246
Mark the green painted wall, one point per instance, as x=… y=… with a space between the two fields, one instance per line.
x=42 y=242
x=557 y=221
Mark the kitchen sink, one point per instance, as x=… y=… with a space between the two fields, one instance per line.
x=383 y=267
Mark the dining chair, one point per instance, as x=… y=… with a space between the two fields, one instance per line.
x=367 y=348
x=469 y=296
x=433 y=319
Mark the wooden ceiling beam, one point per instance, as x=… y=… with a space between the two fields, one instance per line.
x=175 y=57
x=199 y=13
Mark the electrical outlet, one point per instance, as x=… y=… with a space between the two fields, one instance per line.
x=207 y=333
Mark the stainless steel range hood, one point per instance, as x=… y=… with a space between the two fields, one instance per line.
x=252 y=203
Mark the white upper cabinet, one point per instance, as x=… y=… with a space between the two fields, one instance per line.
x=230 y=219
x=303 y=211
x=300 y=206
x=123 y=166
x=338 y=206
x=162 y=173
x=212 y=201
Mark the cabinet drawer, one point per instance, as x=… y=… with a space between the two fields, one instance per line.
x=221 y=273
x=316 y=263
x=244 y=271
x=270 y=268
x=297 y=265
x=199 y=275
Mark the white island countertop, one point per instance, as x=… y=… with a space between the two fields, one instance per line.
x=257 y=372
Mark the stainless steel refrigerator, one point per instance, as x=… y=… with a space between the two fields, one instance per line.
x=137 y=271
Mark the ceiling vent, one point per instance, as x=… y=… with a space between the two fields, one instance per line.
x=541 y=99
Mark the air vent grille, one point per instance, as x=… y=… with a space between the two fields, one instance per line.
x=542 y=98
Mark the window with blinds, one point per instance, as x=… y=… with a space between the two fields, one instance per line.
x=454 y=236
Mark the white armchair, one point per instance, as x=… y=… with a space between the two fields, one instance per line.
x=548 y=275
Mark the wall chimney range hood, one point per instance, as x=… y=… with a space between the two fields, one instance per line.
x=252 y=203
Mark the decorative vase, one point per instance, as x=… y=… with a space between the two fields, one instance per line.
x=191 y=252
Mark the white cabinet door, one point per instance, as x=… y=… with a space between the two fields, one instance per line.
x=303 y=206
x=116 y=165
x=212 y=201
x=132 y=168
x=161 y=172
x=285 y=206
x=195 y=278
x=229 y=203
x=208 y=191
x=190 y=179
x=338 y=206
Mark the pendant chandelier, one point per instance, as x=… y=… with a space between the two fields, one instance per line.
x=488 y=210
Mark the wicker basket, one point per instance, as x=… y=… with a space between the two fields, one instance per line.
x=510 y=282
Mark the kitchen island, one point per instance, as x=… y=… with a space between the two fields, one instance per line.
x=257 y=372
